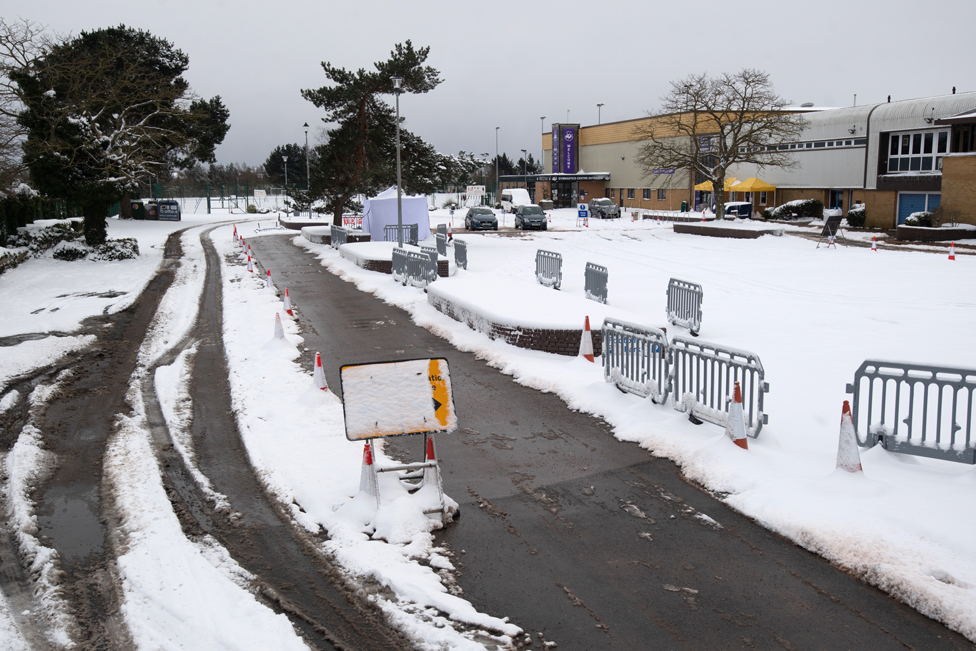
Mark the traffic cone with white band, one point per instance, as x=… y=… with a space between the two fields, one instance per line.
x=250 y=267
x=586 y=342
x=367 y=477
x=848 y=456
x=874 y=244
x=432 y=474
x=267 y=279
x=952 y=250
x=279 y=331
x=318 y=376
x=735 y=426
x=287 y=304
x=450 y=236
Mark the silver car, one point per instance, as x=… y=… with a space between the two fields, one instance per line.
x=603 y=209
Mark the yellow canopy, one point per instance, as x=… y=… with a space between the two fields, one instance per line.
x=753 y=185
x=706 y=186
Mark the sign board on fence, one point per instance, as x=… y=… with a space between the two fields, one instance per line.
x=396 y=398
x=260 y=194
x=168 y=211
x=476 y=189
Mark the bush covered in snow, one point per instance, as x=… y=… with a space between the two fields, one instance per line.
x=39 y=240
x=922 y=218
x=796 y=210
x=857 y=215
x=68 y=250
x=126 y=248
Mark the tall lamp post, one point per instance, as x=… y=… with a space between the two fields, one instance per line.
x=397 y=80
x=308 y=177
x=598 y=107
x=498 y=181
x=284 y=161
x=525 y=178
x=542 y=121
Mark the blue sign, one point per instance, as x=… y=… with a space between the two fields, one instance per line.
x=169 y=211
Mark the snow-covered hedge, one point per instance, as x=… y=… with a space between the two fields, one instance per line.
x=70 y=250
x=125 y=248
x=921 y=218
x=857 y=215
x=796 y=210
x=39 y=240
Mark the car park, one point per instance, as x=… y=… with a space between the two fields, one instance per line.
x=481 y=219
x=530 y=216
x=603 y=208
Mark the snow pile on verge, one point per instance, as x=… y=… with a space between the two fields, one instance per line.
x=897 y=526
x=295 y=438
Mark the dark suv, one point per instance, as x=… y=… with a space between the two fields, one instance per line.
x=481 y=219
x=603 y=209
x=530 y=216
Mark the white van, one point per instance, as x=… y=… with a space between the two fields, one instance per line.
x=515 y=197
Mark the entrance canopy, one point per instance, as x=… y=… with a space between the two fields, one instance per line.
x=753 y=185
x=706 y=186
x=381 y=211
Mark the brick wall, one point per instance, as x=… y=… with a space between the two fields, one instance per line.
x=560 y=342
x=959 y=187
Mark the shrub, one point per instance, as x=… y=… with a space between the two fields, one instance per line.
x=125 y=248
x=39 y=240
x=798 y=209
x=70 y=251
x=251 y=208
x=943 y=215
x=768 y=213
x=922 y=218
x=856 y=216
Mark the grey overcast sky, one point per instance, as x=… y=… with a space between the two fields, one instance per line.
x=506 y=63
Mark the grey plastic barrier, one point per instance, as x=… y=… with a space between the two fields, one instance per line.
x=441 y=241
x=409 y=233
x=703 y=377
x=549 y=268
x=595 y=282
x=339 y=236
x=432 y=267
x=636 y=359
x=684 y=305
x=461 y=254
x=413 y=268
x=399 y=264
x=915 y=409
x=442 y=229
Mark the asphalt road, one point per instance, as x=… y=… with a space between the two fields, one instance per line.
x=581 y=539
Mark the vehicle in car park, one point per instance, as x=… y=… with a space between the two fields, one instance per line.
x=738 y=210
x=603 y=208
x=530 y=216
x=481 y=219
x=514 y=197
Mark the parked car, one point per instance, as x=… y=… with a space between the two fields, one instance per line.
x=738 y=210
x=530 y=216
x=482 y=219
x=603 y=209
x=514 y=197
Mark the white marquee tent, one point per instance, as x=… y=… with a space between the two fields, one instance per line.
x=381 y=211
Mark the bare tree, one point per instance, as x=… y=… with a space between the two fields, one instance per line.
x=708 y=124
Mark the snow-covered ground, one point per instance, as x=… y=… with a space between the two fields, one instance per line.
x=812 y=315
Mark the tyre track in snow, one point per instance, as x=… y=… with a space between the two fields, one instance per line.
x=292 y=576
x=585 y=540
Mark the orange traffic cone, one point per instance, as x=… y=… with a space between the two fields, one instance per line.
x=450 y=236
x=952 y=250
x=432 y=474
x=318 y=377
x=848 y=456
x=250 y=267
x=235 y=232
x=279 y=331
x=735 y=426
x=874 y=244
x=287 y=304
x=267 y=279
x=367 y=477
x=586 y=342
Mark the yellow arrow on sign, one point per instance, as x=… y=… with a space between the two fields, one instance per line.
x=438 y=387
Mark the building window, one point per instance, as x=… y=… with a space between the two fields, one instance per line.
x=917 y=152
x=647 y=193
x=762 y=198
x=662 y=195
x=747 y=196
x=611 y=194
x=836 y=199
x=630 y=193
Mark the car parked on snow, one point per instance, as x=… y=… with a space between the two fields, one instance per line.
x=514 y=197
x=738 y=210
x=481 y=219
x=530 y=216
x=603 y=208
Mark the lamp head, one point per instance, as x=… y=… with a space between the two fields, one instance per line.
x=397 y=81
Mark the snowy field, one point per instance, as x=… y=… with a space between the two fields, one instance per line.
x=812 y=315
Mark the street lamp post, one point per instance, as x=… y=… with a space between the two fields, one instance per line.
x=598 y=107
x=397 y=80
x=525 y=178
x=308 y=177
x=542 y=121
x=498 y=181
x=284 y=161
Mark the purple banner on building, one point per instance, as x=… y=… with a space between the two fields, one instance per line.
x=569 y=150
x=555 y=150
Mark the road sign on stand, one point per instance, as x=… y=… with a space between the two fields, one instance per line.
x=583 y=215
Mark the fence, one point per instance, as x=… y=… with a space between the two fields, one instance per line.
x=442 y=229
x=636 y=359
x=409 y=233
x=339 y=236
x=441 y=240
x=413 y=268
x=703 y=378
x=920 y=407
x=549 y=268
x=684 y=305
x=461 y=254
x=595 y=282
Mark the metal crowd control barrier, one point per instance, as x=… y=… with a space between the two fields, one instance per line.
x=636 y=359
x=915 y=409
x=339 y=236
x=703 y=377
x=461 y=254
x=441 y=240
x=413 y=268
x=409 y=233
x=549 y=268
x=399 y=264
x=432 y=267
x=595 y=282
x=684 y=305
x=442 y=228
